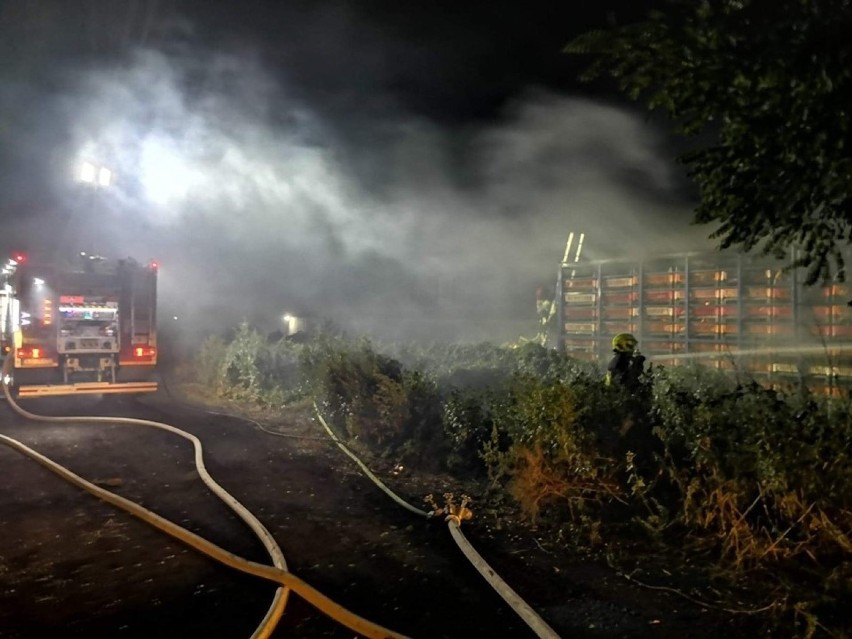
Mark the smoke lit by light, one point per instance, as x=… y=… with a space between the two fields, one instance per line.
x=165 y=175
x=260 y=198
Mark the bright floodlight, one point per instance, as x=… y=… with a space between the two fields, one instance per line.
x=88 y=172
x=104 y=176
x=91 y=173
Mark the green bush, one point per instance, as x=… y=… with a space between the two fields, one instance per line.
x=241 y=377
x=551 y=458
x=208 y=364
x=423 y=439
x=278 y=364
x=764 y=472
x=248 y=368
x=360 y=390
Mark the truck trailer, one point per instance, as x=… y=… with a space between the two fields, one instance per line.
x=90 y=329
x=752 y=315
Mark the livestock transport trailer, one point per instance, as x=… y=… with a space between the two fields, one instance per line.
x=751 y=315
x=84 y=330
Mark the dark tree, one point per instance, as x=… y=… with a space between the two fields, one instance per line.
x=763 y=86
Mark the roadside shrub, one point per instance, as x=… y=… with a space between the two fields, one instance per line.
x=423 y=439
x=359 y=389
x=374 y=398
x=458 y=364
x=279 y=366
x=757 y=478
x=250 y=369
x=208 y=363
x=554 y=458
x=763 y=474
x=241 y=378
x=469 y=430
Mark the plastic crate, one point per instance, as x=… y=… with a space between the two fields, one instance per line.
x=768 y=312
x=663 y=311
x=613 y=328
x=704 y=278
x=713 y=293
x=580 y=312
x=620 y=281
x=712 y=328
x=662 y=297
x=832 y=330
x=582 y=328
x=620 y=312
x=768 y=292
x=579 y=298
x=664 y=327
x=713 y=310
x=663 y=279
x=768 y=329
x=579 y=282
x=620 y=298
x=656 y=347
x=830 y=312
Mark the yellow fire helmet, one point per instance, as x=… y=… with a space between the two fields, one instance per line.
x=624 y=343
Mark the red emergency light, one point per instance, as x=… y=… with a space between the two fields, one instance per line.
x=30 y=352
x=19 y=258
x=144 y=352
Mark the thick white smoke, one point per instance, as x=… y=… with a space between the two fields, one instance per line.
x=246 y=196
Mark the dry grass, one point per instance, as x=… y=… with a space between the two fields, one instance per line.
x=538 y=480
x=769 y=529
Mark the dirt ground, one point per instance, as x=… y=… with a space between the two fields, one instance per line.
x=73 y=566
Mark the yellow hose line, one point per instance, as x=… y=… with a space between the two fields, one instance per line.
x=368 y=472
x=524 y=611
x=279 y=602
x=271 y=573
x=277 y=574
x=530 y=616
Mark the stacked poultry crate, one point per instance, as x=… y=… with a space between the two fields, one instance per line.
x=754 y=317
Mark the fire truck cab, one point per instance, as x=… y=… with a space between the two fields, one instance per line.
x=84 y=330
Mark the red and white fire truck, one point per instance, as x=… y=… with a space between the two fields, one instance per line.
x=90 y=329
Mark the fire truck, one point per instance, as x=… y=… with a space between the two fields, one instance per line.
x=87 y=329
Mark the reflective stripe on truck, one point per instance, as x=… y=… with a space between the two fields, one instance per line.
x=86 y=388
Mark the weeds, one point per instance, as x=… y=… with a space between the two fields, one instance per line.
x=758 y=478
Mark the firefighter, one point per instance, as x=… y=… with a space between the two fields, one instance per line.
x=627 y=364
x=635 y=434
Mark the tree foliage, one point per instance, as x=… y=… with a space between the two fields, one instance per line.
x=764 y=85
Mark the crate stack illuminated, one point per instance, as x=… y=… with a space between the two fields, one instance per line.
x=730 y=312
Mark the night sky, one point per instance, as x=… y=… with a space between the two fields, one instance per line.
x=402 y=169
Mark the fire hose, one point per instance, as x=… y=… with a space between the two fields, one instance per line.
x=454 y=519
x=277 y=573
